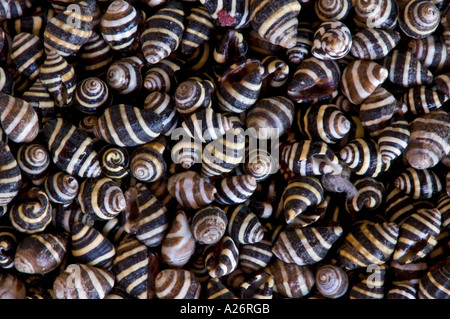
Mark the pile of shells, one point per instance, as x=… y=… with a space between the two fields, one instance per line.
x=262 y=149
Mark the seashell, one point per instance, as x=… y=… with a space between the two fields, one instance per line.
x=62 y=138
x=191 y=190
x=230 y=48
x=40 y=99
x=244 y=227
x=162 y=104
x=172 y=283
x=418 y=183
x=114 y=161
x=11 y=287
x=417 y=236
x=34 y=162
x=119 y=25
x=262 y=47
x=361 y=78
x=215 y=289
x=235 y=189
x=419 y=19
x=209 y=225
x=179 y=243
x=374 y=44
x=303 y=44
x=300 y=193
x=8 y=242
x=222 y=257
x=310 y=158
x=305 y=245
x=290 y=280
x=270 y=117
x=161 y=76
x=90 y=247
x=423 y=100
x=265 y=19
x=187 y=153
x=59 y=78
x=368 y=244
x=368 y=288
x=431 y=52
x=101 y=198
x=406 y=70
x=79 y=281
x=441 y=83
x=224 y=154
x=277 y=72
x=114 y=231
x=398 y=206
x=65 y=218
x=402 y=291
x=230 y=13
x=259 y=286
x=428 y=142
x=196 y=265
x=332 y=40
x=378 y=14
x=136 y=268
x=95 y=55
x=331 y=281
x=235 y=279
x=363 y=156
x=199 y=58
x=435 y=283
x=256 y=256
x=259 y=163
x=369 y=195
x=408 y=273
x=127 y=126
x=199 y=26
x=41 y=253
x=18 y=119
x=34 y=24
x=67 y=31
x=27 y=54
x=87 y=125
x=192 y=95
x=163 y=32
x=61 y=188
x=332 y=10
x=239 y=85
x=124 y=76
x=393 y=140
x=323 y=121
x=443 y=205
x=147 y=163
x=92 y=95
x=10 y=175
x=33 y=213
x=314 y=81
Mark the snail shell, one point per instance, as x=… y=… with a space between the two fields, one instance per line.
x=147 y=163
x=418 y=183
x=374 y=44
x=377 y=239
x=303 y=44
x=163 y=32
x=423 y=100
x=8 y=242
x=332 y=10
x=196 y=265
x=221 y=258
x=259 y=286
x=171 y=283
x=235 y=189
x=41 y=253
x=256 y=256
x=402 y=291
x=187 y=153
x=332 y=40
x=331 y=281
x=215 y=289
x=161 y=76
x=443 y=205
x=6 y=81
x=419 y=19
x=393 y=140
x=259 y=164
x=369 y=289
x=79 y=281
x=92 y=95
x=363 y=156
x=179 y=243
x=11 y=287
x=261 y=46
x=34 y=162
x=40 y=99
x=66 y=217
x=114 y=161
x=244 y=227
x=27 y=54
x=379 y=14
x=259 y=208
x=228 y=13
x=34 y=24
x=124 y=75
x=162 y=104
x=431 y=52
x=135 y=268
x=442 y=83
x=199 y=26
x=114 y=231
x=277 y=72
x=61 y=188
x=191 y=95
x=209 y=225
x=435 y=283
x=95 y=55
x=369 y=195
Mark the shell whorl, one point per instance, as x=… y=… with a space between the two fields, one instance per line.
x=61 y=188
x=331 y=281
x=34 y=161
x=332 y=40
x=332 y=10
x=419 y=19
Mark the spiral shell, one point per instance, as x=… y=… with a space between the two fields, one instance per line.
x=363 y=156
x=229 y=13
x=114 y=161
x=125 y=125
x=235 y=189
x=147 y=163
x=331 y=281
x=209 y=225
x=114 y=231
x=431 y=52
x=27 y=54
x=314 y=81
x=11 y=177
x=124 y=75
x=161 y=76
x=11 y=287
x=40 y=99
x=92 y=95
x=393 y=140
x=66 y=217
x=369 y=195
x=199 y=25
x=222 y=257
x=215 y=289
x=33 y=214
x=423 y=100
x=435 y=283
x=379 y=14
x=374 y=44
x=61 y=188
x=231 y=47
x=418 y=183
x=402 y=291
x=303 y=44
x=332 y=40
x=34 y=24
x=34 y=162
x=8 y=242
x=259 y=163
x=259 y=286
x=419 y=19
x=332 y=10
x=95 y=56
x=171 y=283
x=162 y=104
x=256 y=256
x=88 y=283
x=65 y=33
x=192 y=95
x=369 y=289
x=244 y=227
x=119 y=25
x=277 y=72
x=443 y=205
x=41 y=253
x=18 y=119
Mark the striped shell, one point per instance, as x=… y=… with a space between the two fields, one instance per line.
x=65 y=218
x=161 y=76
x=428 y=142
x=61 y=188
x=368 y=243
x=179 y=243
x=215 y=289
x=402 y=291
x=79 y=281
x=254 y=257
x=199 y=26
x=331 y=281
x=367 y=287
x=27 y=54
x=95 y=55
x=125 y=125
x=378 y=14
x=363 y=156
x=235 y=189
x=423 y=100
x=163 y=32
x=270 y=117
x=332 y=10
x=222 y=257
x=187 y=153
x=230 y=47
x=228 y=13
x=244 y=227
x=92 y=95
x=393 y=140
x=314 y=81
x=114 y=161
x=192 y=95
x=89 y=246
x=114 y=231
x=443 y=205
x=305 y=245
x=124 y=76
x=177 y=284
x=418 y=183
x=209 y=225
x=41 y=253
x=369 y=196
x=277 y=72
x=442 y=83
x=34 y=161
x=62 y=138
x=33 y=213
x=373 y=44
x=8 y=242
x=259 y=163
x=303 y=44
x=435 y=283
x=162 y=104
x=40 y=99
x=332 y=40
x=259 y=286
x=147 y=163
x=419 y=19
x=431 y=52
